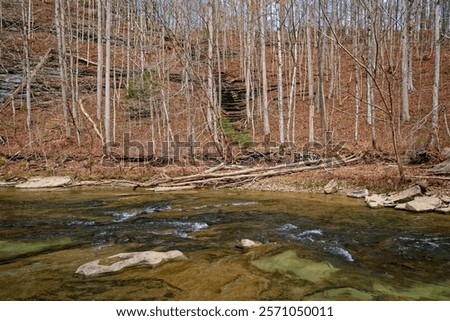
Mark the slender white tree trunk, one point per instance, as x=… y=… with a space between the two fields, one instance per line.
x=265 y=98
x=108 y=27
x=280 y=79
x=99 y=59
x=310 y=70
x=405 y=61
x=437 y=64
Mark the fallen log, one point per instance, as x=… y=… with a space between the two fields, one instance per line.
x=239 y=177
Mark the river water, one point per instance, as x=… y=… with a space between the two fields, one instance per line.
x=315 y=247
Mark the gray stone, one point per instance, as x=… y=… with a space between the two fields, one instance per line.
x=401 y=206
x=406 y=195
x=332 y=187
x=250 y=243
x=46 y=182
x=376 y=201
x=423 y=204
x=120 y=261
x=359 y=193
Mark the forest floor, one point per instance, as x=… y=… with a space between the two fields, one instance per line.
x=53 y=153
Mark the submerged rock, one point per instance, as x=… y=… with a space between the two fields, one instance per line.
x=406 y=195
x=423 y=204
x=46 y=182
x=120 y=261
x=332 y=187
x=288 y=262
x=358 y=194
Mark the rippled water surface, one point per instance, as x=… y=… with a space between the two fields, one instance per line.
x=314 y=247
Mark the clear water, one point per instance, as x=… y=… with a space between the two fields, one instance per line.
x=315 y=247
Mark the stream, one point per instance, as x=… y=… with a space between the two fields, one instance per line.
x=314 y=247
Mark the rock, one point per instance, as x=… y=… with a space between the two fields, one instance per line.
x=358 y=194
x=249 y=243
x=406 y=195
x=376 y=201
x=120 y=261
x=445 y=199
x=401 y=206
x=423 y=204
x=443 y=210
x=332 y=187
x=46 y=182
x=446 y=152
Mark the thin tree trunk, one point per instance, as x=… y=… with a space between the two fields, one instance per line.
x=405 y=61
x=437 y=64
x=60 y=25
x=265 y=99
x=280 y=78
x=26 y=17
x=107 y=119
x=99 y=59
x=310 y=70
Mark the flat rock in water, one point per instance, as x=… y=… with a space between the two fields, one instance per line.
x=120 y=261
x=249 y=243
x=358 y=194
x=376 y=201
x=46 y=182
x=423 y=204
x=406 y=195
x=332 y=187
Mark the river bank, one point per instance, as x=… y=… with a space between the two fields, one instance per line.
x=375 y=178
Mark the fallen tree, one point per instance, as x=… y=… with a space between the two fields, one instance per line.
x=223 y=177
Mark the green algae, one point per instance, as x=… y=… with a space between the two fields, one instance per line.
x=288 y=262
x=10 y=250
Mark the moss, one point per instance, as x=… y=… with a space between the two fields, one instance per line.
x=289 y=262
x=9 y=250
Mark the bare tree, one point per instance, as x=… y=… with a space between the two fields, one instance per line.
x=262 y=43
x=437 y=63
x=26 y=7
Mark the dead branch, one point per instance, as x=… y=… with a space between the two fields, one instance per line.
x=20 y=87
x=94 y=125
x=239 y=177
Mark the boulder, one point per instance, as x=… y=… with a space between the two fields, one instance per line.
x=332 y=187
x=423 y=204
x=362 y=193
x=376 y=200
x=445 y=199
x=46 y=182
x=406 y=195
x=249 y=243
x=120 y=261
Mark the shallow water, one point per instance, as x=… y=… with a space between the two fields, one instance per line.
x=315 y=247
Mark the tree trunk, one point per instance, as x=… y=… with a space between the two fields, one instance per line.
x=405 y=116
x=107 y=119
x=265 y=99
x=280 y=78
x=99 y=59
x=437 y=64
